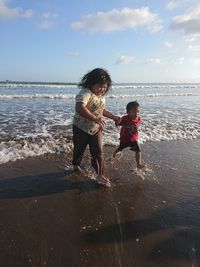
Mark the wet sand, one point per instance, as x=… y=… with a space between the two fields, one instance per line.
x=51 y=217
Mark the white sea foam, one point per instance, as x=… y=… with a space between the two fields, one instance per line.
x=151 y=86
x=114 y=86
x=39 y=144
x=153 y=95
x=45 y=140
x=37 y=96
x=72 y=96
x=23 y=148
x=36 y=85
x=155 y=134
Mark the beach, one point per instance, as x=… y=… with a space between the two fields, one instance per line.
x=51 y=216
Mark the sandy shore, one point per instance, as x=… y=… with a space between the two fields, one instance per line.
x=51 y=217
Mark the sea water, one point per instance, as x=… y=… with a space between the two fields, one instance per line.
x=36 y=118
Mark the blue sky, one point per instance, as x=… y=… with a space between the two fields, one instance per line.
x=136 y=41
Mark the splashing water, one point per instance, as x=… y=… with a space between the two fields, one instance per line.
x=146 y=174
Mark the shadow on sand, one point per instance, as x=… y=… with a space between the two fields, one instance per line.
x=44 y=184
x=182 y=223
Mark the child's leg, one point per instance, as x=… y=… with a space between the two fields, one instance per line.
x=135 y=147
x=115 y=152
x=80 y=141
x=96 y=150
x=120 y=148
x=138 y=159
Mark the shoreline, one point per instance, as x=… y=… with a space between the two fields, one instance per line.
x=52 y=217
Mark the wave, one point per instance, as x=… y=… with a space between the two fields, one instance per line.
x=21 y=148
x=154 y=95
x=38 y=96
x=36 y=85
x=159 y=86
x=72 y=96
x=114 y=86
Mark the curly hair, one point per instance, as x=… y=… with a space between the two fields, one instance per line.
x=96 y=76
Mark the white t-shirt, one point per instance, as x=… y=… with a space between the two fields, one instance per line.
x=95 y=104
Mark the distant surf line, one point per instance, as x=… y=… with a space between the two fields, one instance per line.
x=72 y=96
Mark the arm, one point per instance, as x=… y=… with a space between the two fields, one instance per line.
x=84 y=112
x=137 y=124
x=109 y=115
x=122 y=121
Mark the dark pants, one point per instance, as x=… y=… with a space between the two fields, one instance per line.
x=134 y=146
x=81 y=139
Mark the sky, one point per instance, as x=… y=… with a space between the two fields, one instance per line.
x=136 y=41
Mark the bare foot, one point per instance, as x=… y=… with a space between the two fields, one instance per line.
x=103 y=180
x=141 y=166
x=77 y=168
x=117 y=155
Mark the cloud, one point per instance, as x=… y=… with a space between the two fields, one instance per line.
x=194 y=48
x=46 y=24
x=73 y=53
x=28 y=13
x=156 y=61
x=48 y=20
x=179 y=61
x=196 y=61
x=13 y=13
x=46 y=15
x=173 y=4
x=189 y=22
x=168 y=45
x=118 y=20
x=124 y=59
x=191 y=39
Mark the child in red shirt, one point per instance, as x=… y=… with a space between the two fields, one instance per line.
x=129 y=131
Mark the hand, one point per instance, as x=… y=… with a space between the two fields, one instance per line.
x=100 y=121
x=117 y=120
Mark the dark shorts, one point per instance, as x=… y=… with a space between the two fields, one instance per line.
x=134 y=146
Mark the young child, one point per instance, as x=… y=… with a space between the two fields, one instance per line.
x=129 y=131
x=88 y=120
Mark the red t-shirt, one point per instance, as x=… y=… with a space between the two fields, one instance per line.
x=129 y=131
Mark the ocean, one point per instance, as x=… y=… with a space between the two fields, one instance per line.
x=148 y=217
x=36 y=118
